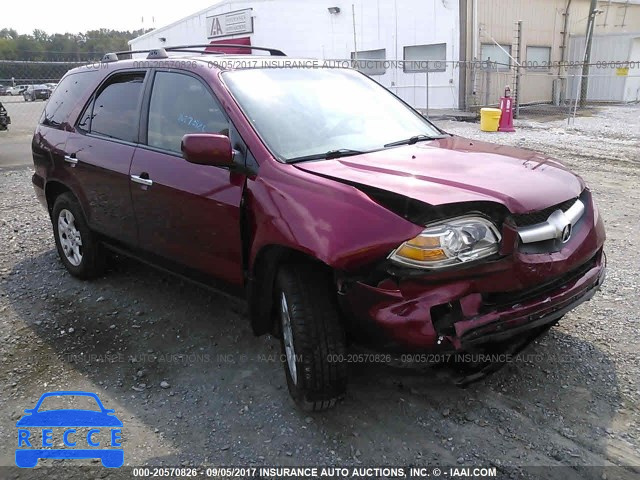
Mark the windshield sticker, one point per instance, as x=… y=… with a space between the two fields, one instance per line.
x=191 y=122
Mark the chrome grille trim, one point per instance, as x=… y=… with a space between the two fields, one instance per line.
x=554 y=226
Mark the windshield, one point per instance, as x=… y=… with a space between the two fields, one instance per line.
x=312 y=112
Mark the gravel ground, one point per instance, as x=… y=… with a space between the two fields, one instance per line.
x=193 y=387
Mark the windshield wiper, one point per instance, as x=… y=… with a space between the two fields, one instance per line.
x=331 y=154
x=413 y=140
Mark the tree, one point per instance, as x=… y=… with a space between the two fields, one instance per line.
x=86 y=46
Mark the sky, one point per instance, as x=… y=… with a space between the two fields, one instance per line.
x=76 y=16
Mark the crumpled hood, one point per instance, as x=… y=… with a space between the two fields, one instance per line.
x=456 y=169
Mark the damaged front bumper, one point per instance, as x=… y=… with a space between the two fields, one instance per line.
x=447 y=317
x=523 y=317
x=497 y=301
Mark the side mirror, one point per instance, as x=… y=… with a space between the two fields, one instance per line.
x=207 y=149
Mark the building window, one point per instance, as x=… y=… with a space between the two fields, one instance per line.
x=425 y=58
x=538 y=58
x=371 y=62
x=491 y=52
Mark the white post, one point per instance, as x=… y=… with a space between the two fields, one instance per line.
x=355 y=46
x=579 y=84
x=427 y=89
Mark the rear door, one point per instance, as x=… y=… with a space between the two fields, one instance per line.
x=188 y=214
x=100 y=152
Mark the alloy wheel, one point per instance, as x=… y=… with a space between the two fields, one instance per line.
x=287 y=335
x=70 y=237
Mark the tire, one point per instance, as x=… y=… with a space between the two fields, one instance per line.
x=81 y=253
x=312 y=338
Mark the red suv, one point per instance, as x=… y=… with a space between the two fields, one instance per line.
x=339 y=211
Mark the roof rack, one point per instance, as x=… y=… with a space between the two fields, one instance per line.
x=161 y=52
x=152 y=53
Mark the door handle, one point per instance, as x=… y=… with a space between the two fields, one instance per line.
x=142 y=181
x=71 y=160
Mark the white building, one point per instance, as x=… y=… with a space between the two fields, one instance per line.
x=332 y=29
x=443 y=34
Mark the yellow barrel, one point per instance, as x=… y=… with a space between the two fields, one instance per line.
x=490 y=119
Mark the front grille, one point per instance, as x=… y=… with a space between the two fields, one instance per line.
x=527 y=219
x=507 y=299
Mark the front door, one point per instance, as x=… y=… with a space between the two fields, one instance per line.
x=187 y=213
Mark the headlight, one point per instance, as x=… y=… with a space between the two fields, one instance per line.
x=450 y=242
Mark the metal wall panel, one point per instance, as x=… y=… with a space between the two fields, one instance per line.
x=605 y=85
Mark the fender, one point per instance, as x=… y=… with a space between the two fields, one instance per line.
x=48 y=159
x=297 y=216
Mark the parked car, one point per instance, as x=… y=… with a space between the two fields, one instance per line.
x=5 y=119
x=17 y=90
x=36 y=92
x=341 y=213
x=3 y=90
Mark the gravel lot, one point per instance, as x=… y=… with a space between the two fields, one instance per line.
x=15 y=144
x=193 y=386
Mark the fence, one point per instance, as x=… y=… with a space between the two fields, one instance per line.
x=555 y=90
x=13 y=72
x=428 y=85
x=548 y=90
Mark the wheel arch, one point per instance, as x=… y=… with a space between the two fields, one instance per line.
x=53 y=189
x=262 y=281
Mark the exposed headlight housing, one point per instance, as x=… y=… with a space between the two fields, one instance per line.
x=448 y=243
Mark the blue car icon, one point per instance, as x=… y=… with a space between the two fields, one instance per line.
x=27 y=456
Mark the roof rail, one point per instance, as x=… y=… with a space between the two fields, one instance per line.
x=109 y=57
x=152 y=53
x=162 y=51
x=157 y=53
x=273 y=51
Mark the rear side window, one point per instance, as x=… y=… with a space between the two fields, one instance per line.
x=71 y=90
x=113 y=111
x=181 y=104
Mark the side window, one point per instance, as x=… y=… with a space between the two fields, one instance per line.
x=84 y=121
x=66 y=96
x=114 y=112
x=180 y=104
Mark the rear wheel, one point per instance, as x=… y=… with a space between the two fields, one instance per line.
x=312 y=337
x=81 y=253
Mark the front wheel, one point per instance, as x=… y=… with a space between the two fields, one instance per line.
x=312 y=337
x=81 y=253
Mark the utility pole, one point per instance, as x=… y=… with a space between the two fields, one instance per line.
x=584 y=86
x=355 y=45
x=563 y=71
x=518 y=59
